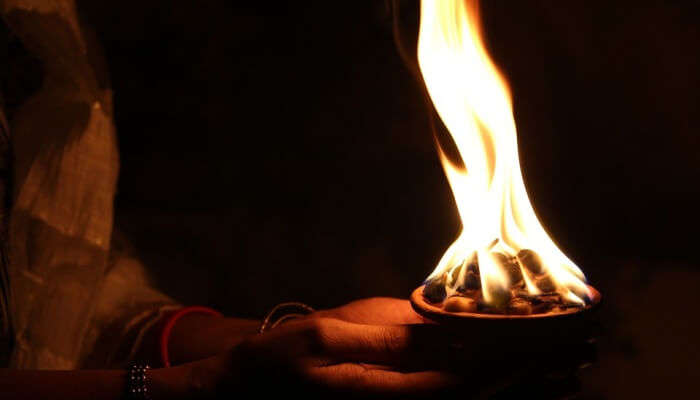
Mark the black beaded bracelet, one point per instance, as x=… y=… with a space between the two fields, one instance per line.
x=137 y=382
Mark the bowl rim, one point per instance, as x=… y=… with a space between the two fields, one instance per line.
x=430 y=311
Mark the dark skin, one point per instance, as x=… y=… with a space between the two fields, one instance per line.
x=376 y=346
x=364 y=346
x=361 y=347
x=197 y=336
x=371 y=346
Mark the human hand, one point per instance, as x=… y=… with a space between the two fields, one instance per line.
x=329 y=355
x=374 y=311
x=484 y=361
x=357 y=348
x=198 y=336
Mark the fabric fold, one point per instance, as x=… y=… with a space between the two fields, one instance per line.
x=74 y=303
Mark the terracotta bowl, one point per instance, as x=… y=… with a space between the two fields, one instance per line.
x=575 y=323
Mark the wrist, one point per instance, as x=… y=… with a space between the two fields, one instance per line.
x=172 y=383
x=173 y=322
x=199 y=336
x=212 y=377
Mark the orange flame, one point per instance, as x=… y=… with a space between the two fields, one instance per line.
x=473 y=100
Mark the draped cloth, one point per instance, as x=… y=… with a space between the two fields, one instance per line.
x=6 y=331
x=74 y=300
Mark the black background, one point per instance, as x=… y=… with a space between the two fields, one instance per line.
x=284 y=152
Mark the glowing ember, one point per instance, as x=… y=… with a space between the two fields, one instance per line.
x=503 y=253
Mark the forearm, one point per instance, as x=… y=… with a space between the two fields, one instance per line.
x=195 y=337
x=198 y=336
x=167 y=383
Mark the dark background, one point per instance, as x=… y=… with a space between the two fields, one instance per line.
x=284 y=152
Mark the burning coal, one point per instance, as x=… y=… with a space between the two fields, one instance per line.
x=503 y=260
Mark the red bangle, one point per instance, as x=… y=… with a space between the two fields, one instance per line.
x=170 y=323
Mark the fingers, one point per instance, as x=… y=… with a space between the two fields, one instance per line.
x=381 y=344
x=379 y=380
x=342 y=341
x=411 y=346
x=345 y=355
x=376 y=311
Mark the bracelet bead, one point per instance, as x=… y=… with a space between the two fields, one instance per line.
x=137 y=381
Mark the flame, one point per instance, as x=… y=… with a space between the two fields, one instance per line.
x=473 y=100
